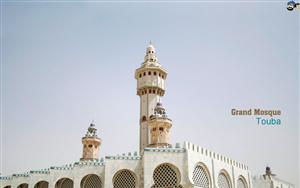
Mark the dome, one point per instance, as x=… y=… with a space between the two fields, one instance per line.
x=92 y=131
x=150 y=49
x=159 y=110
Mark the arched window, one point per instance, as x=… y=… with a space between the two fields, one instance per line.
x=201 y=177
x=91 y=181
x=241 y=182
x=140 y=75
x=166 y=175
x=23 y=185
x=154 y=73
x=223 y=180
x=144 y=74
x=124 y=179
x=41 y=184
x=144 y=118
x=8 y=186
x=149 y=73
x=64 y=183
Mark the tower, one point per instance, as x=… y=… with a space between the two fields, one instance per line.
x=91 y=144
x=159 y=125
x=150 y=88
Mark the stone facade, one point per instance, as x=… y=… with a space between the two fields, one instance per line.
x=159 y=164
x=186 y=166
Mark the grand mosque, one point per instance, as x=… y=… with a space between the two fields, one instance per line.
x=158 y=164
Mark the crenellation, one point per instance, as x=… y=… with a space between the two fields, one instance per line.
x=208 y=153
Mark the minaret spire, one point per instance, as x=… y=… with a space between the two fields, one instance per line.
x=150 y=57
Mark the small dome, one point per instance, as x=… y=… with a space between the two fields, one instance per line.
x=159 y=111
x=150 y=49
x=92 y=131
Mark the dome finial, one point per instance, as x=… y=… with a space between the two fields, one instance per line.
x=150 y=54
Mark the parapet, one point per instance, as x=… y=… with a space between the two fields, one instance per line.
x=196 y=148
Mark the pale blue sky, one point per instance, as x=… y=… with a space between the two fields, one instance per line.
x=66 y=64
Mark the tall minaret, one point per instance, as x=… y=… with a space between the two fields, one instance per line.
x=150 y=87
x=91 y=143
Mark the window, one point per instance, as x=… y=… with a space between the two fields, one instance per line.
x=23 y=185
x=140 y=75
x=166 y=175
x=223 y=181
x=91 y=181
x=200 y=177
x=161 y=128
x=90 y=146
x=64 y=183
x=41 y=184
x=144 y=118
x=154 y=73
x=124 y=179
x=144 y=74
x=241 y=183
x=149 y=73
